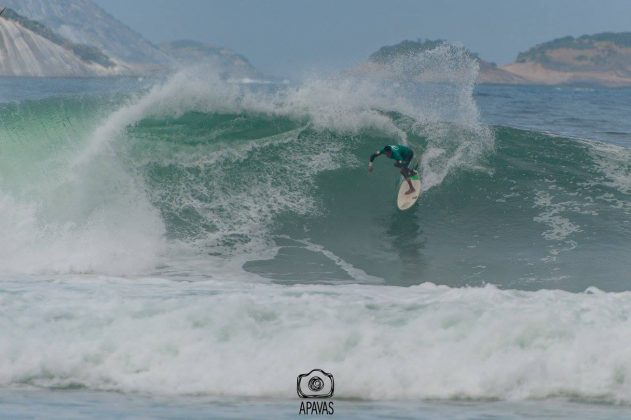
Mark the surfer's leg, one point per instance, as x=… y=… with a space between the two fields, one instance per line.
x=407 y=164
x=411 y=190
x=405 y=172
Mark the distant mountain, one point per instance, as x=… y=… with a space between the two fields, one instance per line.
x=489 y=72
x=84 y=22
x=404 y=48
x=28 y=48
x=187 y=52
x=603 y=58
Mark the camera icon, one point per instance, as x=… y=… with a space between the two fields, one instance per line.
x=315 y=384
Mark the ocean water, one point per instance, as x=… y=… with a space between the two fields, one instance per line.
x=185 y=247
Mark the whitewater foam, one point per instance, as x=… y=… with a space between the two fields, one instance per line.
x=559 y=227
x=380 y=342
x=614 y=163
x=62 y=218
x=109 y=240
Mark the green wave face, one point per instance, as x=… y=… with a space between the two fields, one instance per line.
x=174 y=184
x=536 y=211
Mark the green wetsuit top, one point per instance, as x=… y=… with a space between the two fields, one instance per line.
x=399 y=152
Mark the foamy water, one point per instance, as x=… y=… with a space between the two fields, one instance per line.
x=167 y=337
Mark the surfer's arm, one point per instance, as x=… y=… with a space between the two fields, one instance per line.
x=372 y=158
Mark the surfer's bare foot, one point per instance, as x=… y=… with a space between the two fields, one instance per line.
x=410 y=191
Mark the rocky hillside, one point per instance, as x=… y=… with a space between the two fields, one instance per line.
x=28 y=48
x=489 y=72
x=82 y=21
x=603 y=58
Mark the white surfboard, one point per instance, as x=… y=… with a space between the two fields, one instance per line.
x=405 y=201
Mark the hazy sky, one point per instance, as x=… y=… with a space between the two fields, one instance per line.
x=285 y=37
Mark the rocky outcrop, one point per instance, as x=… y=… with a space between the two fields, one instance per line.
x=28 y=48
x=603 y=58
x=488 y=72
x=84 y=22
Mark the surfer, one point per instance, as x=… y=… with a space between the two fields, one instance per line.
x=403 y=156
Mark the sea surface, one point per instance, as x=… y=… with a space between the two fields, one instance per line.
x=186 y=247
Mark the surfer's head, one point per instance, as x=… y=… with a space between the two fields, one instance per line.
x=388 y=151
